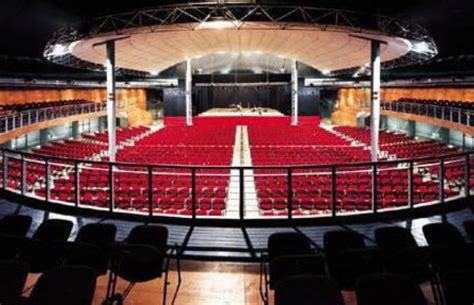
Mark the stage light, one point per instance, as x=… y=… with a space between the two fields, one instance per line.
x=325 y=72
x=59 y=50
x=218 y=25
x=422 y=47
x=154 y=73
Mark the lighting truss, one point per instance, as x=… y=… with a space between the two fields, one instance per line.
x=285 y=17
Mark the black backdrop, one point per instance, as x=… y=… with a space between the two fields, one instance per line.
x=276 y=96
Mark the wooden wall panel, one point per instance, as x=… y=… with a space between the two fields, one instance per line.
x=136 y=98
x=350 y=100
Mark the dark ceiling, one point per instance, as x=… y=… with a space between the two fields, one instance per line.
x=26 y=25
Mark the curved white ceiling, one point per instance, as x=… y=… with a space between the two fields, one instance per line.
x=156 y=49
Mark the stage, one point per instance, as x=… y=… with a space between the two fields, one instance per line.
x=233 y=112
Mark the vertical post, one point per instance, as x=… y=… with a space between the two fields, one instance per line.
x=23 y=175
x=150 y=191
x=294 y=92
x=5 y=169
x=333 y=191
x=241 y=194
x=46 y=175
x=111 y=111
x=467 y=176
x=75 y=130
x=77 y=184
x=374 y=188
x=189 y=93
x=193 y=192
x=375 y=99
x=441 y=180
x=411 y=199
x=290 y=193
x=111 y=187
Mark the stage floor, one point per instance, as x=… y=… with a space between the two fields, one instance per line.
x=241 y=112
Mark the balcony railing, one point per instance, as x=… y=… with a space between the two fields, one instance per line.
x=452 y=114
x=34 y=116
x=302 y=192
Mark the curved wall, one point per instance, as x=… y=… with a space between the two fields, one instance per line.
x=351 y=100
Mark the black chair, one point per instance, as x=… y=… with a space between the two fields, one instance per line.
x=443 y=234
x=349 y=265
x=307 y=290
x=285 y=248
x=99 y=235
x=46 y=249
x=53 y=229
x=11 y=246
x=15 y=225
x=72 y=285
x=393 y=239
x=388 y=289
x=340 y=240
x=13 y=276
x=458 y=288
x=469 y=228
x=141 y=258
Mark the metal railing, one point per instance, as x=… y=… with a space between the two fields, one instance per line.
x=452 y=114
x=294 y=192
x=29 y=117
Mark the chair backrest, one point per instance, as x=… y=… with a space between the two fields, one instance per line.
x=53 y=230
x=154 y=236
x=340 y=240
x=290 y=265
x=84 y=254
x=17 y=225
x=388 y=289
x=393 y=239
x=13 y=276
x=443 y=234
x=469 y=228
x=101 y=235
x=137 y=263
x=307 y=290
x=72 y=285
x=287 y=243
x=412 y=262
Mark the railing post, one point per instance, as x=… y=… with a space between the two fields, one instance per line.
x=13 y=122
x=5 y=169
x=290 y=193
x=111 y=187
x=77 y=184
x=459 y=116
x=333 y=191
x=441 y=180
x=150 y=191
x=374 y=188
x=467 y=176
x=23 y=175
x=241 y=194
x=411 y=201
x=193 y=192
x=46 y=175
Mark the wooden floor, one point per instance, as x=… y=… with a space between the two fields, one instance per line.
x=205 y=283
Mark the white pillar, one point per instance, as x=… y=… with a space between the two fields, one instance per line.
x=294 y=93
x=375 y=99
x=111 y=111
x=188 y=88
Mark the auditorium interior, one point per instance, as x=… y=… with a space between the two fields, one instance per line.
x=237 y=152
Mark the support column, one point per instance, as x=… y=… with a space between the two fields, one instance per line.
x=111 y=111
x=44 y=136
x=444 y=135
x=102 y=121
x=75 y=130
x=375 y=99
x=294 y=93
x=189 y=93
x=411 y=129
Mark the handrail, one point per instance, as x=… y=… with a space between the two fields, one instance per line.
x=34 y=116
x=457 y=115
x=53 y=166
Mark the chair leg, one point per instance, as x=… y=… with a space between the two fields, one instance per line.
x=263 y=281
x=178 y=267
